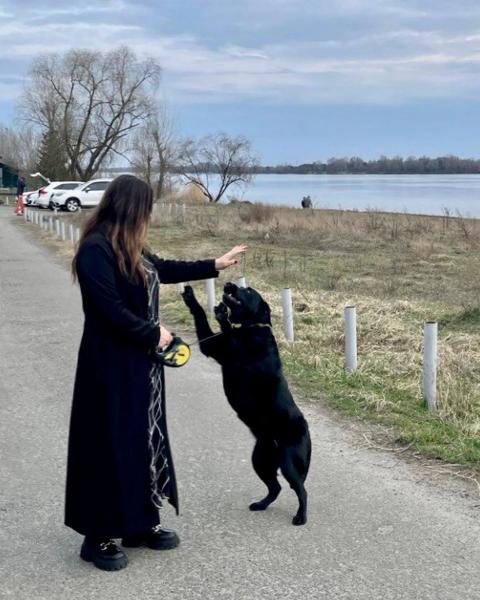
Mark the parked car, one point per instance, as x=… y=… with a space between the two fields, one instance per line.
x=45 y=194
x=85 y=196
x=30 y=198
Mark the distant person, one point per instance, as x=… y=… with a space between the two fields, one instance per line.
x=306 y=202
x=21 y=185
x=120 y=469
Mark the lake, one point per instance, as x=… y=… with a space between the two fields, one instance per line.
x=425 y=194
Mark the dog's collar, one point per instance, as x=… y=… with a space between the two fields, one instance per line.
x=240 y=325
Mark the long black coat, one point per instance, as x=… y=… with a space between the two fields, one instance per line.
x=108 y=478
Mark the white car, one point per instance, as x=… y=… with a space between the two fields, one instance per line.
x=45 y=194
x=30 y=198
x=85 y=196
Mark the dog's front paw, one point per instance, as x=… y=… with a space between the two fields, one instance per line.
x=220 y=310
x=189 y=297
x=221 y=313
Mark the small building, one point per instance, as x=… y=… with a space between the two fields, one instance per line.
x=8 y=176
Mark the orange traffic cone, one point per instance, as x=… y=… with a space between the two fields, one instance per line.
x=19 y=210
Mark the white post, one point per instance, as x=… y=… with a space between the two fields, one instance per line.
x=50 y=224
x=72 y=237
x=25 y=214
x=41 y=221
x=210 y=285
x=77 y=234
x=57 y=227
x=63 y=230
x=7 y=202
x=184 y=213
x=180 y=288
x=241 y=282
x=350 y=339
x=287 y=307
x=430 y=334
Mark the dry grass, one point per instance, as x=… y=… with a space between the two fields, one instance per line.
x=189 y=195
x=399 y=270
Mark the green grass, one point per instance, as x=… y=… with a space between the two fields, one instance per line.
x=352 y=395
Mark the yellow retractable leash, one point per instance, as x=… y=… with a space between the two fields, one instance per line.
x=176 y=354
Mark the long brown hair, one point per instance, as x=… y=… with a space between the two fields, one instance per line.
x=123 y=216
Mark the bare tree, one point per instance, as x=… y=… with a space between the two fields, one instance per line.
x=153 y=150
x=214 y=163
x=93 y=99
x=19 y=148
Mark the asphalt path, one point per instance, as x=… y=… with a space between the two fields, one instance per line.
x=376 y=530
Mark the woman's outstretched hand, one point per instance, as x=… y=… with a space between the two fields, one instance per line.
x=229 y=259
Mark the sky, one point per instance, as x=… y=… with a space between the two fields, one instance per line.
x=304 y=80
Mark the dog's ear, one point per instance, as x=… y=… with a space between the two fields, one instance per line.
x=265 y=313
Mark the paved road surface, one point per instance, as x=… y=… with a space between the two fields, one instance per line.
x=375 y=531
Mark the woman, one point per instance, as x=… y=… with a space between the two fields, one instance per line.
x=120 y=466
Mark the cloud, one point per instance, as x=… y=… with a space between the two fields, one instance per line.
x=75 y=11
x=397 y=51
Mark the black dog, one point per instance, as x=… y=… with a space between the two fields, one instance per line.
x=257 y=390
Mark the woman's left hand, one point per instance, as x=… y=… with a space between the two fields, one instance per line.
x=228 y=259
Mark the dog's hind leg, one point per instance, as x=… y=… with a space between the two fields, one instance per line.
x=293 y=468
x=266 y=460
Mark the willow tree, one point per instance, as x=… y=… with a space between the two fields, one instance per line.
x=93 y=100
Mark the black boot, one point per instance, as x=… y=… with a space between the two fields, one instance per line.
x=105 y=554
x=156 y=539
